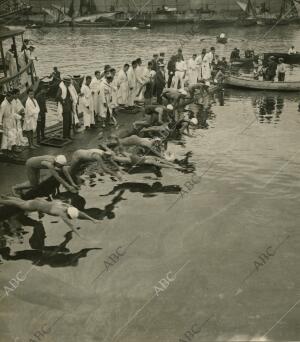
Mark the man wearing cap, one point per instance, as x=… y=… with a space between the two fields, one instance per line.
x=67 y=98
x=54 y=208
x=281 y=70
x=192 y=70
x=34 y=165
x=160 y=82
x=178 y=80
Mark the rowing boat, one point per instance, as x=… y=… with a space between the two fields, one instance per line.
x=240 y=82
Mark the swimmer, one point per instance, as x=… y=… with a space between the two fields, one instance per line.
x=34 y=166
x=154 y=145
x=55 y=208
x=81 y=158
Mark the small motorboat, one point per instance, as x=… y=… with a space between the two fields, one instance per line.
x=222 y=39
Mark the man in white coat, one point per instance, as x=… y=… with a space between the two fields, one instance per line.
x=7 y=124
x=132 y=84
x=123 y=86
x=106 y=98
x=87 y=103
x=192 y=70
x=95 y=87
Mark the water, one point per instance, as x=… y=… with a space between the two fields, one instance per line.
x=247 y=200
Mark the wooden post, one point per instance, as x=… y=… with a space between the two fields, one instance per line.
x=3 y=59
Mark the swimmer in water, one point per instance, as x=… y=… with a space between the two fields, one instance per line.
x=81 y=158
x=55 y=208
x=34 y=166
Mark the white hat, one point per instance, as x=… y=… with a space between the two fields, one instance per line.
x=182 y=91
x=73 y=212
x=187 y=107
x=170 y=107
x=61 y=159
x=194 y=121
x=156 y=139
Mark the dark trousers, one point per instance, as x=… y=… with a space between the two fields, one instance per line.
x=67 y=124
x=158 y=94
x=281 y=76
x=40 y=128
x=170 y=80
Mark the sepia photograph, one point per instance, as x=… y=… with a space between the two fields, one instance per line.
x=149 y=165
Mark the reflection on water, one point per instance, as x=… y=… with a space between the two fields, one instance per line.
x=269 y=108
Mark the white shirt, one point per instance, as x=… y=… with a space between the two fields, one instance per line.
x=292 y=51
x=181 y=66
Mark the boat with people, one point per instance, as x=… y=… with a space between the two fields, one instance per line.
x=248 y=83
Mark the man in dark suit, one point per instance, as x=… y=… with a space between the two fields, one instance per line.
x=160 y=82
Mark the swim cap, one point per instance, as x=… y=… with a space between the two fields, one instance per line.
x=194 y=121
x=61 y=159
x=73 y=212
x=170 y=107
x=170 y=156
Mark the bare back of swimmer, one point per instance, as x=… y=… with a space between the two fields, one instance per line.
x=54 y=208
x=83 y=158
x=34 y=166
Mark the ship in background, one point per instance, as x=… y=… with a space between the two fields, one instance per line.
x=138 y=13
x=262 y=15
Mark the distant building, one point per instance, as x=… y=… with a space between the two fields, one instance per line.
x=220 y=6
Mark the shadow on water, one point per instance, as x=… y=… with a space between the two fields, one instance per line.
x=100 y=214
x=146 y=189
x=41 y=255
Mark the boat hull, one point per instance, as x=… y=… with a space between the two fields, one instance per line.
x=238 y=82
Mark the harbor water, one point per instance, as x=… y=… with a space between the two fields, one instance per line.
x=186 y=259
